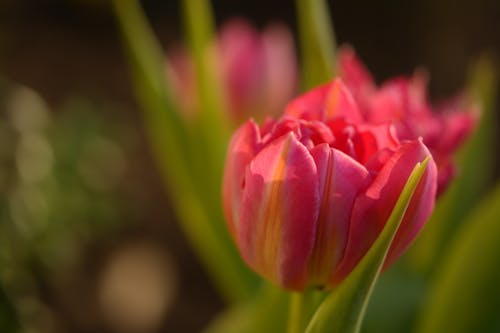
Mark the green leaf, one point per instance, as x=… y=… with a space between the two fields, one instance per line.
x=165 y=127
x=210 y=129
x=476 y=164
x=343 y=310
x=9 y=320
x=317 y=42
x=196 y=204
x=464 y=295
x=266 y=312
x=395 y=301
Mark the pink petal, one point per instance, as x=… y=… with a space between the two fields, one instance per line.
x=340 y=103
x=355 y=74
x=242 y=59
x=370 y=139
x=456 y=126
x=417 y=213
x=309 y=106
x=332 y=100
x=242 y=148
x=389 y=103
x=373 y=207
x=341 y=179
x=280 y=67
x=279 y=212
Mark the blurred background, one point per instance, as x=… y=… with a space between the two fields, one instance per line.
x=88 y=242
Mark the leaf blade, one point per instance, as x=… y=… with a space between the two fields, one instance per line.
x=468 y=276
x=172 y=145
x=317 y=42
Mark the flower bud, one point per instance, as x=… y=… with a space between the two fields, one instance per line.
x=258 y=70
x=305 y=196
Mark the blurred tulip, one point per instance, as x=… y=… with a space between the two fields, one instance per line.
x=258 y=70
x=404 y=101
x=305 y=196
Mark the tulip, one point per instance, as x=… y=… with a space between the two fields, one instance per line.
x=306 y=195
x=258 y=71
x=403 y=101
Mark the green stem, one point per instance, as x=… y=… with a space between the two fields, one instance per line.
x=295 y=314
x=317 y=42
x=210 y=131
x=212 y=117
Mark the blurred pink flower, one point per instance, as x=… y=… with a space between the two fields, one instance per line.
x=305 y=196
x=258 y=70
x=404 y=102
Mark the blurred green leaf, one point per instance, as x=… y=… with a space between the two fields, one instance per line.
x=194 y=194
x=343 y=310
x=167 y=131
x=266 y=312
x=210 y=131
x=213 y=120
x=395 y=301
x=464 y=295
x=9 y=321
x=317 y=42
x=476 y=163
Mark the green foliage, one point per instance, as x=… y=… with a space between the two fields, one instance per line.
x=266 y=312
x=317 y=42
x=395 y=300
x=8 y=316
x=181 y=151
x=464 y=295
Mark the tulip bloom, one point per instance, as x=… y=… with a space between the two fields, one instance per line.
x=258 y=70
x=305 y=196
x=404 y=102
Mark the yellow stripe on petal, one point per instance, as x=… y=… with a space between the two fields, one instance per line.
x=341 y=179
x=332 y=101
x=271 y=221
x=340 y=103
x=324 y=254
x=280 y=208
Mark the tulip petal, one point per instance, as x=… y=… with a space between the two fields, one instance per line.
x=281 y=67
x=309 y=106
x=332 y=100
x=279 y=212
x=341 y=179
x=417 y=213
x=456 y=126
x=355 y=74
x=370 y=139
x=242 y=62
x=242 y=149
x=372 y=208
x=339 y=102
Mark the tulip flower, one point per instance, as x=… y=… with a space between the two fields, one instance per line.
x=403 y=101
x=258 y=70
x=306 y=195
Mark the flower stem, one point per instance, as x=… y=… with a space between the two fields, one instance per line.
x=295 y=314
x=317 y=42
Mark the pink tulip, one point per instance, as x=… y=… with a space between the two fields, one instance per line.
x=305 y=196
x=258 y=70
x=403 y=101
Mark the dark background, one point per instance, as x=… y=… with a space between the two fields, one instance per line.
x=63 y=49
